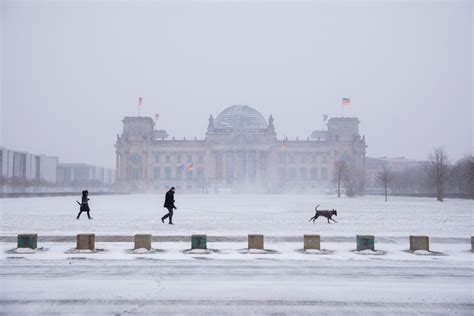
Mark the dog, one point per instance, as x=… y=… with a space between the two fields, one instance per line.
x=326 y=213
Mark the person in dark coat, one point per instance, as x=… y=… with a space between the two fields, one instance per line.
x=169 y=204
x=84 y=204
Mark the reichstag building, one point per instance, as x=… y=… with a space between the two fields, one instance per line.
x=240 y=153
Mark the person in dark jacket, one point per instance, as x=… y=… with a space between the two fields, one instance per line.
x=84 y=204
x=169 y=204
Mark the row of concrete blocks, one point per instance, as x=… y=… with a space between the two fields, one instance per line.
x=364 y=242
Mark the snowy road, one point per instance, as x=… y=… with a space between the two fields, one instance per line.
x=289 y=282
x=205 y=286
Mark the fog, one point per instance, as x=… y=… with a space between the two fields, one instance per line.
x=72 y=70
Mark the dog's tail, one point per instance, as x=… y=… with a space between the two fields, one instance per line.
x=316 y=208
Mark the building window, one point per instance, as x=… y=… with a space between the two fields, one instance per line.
x=189 y=175
x=324 y=173
x=252 y=168
x=199 y=173
x=314 y=173
x=168 y=158
x=219 y=165
x=346 y=158
x=178 y=158
x=292 y=173
x=168 y=173
x=281 y=173
x=303 y=173
x=281 y=157
x=157 y=158
x=314 y=158
x=190 y=158
x=157 y=173
x=136 y=174
x=292 y=158
x=229 y=163
x=135 y=158
x=200 y=157
x=324 y=159
x=179 y=172
x=303 y=158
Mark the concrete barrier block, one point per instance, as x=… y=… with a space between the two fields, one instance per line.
x=419 y=243
x=27 y=241
x=142 y=241
x=255 y=242
x=199 y=242
x=365 y=242
x=312 y=242
x=85 y=242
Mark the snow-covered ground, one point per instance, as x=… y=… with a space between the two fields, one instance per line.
x=115 y=280
x=231 y=215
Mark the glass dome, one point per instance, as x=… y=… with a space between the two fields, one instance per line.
x=240 y=117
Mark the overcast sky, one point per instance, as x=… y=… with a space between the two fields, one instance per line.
x=72 y=70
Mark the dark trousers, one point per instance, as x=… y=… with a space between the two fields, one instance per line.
x=84 y=209
x=170 y=215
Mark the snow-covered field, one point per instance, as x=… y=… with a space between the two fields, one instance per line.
x=231 y=215
x=230 y=281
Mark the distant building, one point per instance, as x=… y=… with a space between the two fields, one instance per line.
x=240 y=152
x=20 y=165
x=80 y=173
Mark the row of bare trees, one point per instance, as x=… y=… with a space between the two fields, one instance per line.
x=349 y=177
x=438 y=175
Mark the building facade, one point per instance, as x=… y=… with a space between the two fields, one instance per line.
x=25 y=166
x=240 y=153
x=81 y=174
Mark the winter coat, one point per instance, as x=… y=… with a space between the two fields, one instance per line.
x=169 y=199
x=85 y=204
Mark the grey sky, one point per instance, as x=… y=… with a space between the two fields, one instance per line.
x=71 y=70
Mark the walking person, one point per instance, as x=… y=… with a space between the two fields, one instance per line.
x=84 y=204
x=169 y=204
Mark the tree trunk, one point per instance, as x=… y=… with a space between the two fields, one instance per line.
x=339 y=186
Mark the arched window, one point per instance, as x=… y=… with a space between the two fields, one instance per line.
x=314 y=173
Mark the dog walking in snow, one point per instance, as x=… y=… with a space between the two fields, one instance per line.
x=326 y=213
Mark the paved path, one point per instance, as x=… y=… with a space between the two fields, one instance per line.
x=203 y=286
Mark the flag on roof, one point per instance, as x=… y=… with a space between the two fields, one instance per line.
x=346 y=101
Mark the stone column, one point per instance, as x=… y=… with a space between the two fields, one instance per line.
x=117 y=164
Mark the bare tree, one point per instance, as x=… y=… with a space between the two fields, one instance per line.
x=385 y=177
x=438 y=170
x=339 y=170
x=461 y=178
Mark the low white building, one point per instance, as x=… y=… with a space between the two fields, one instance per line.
x=80 y=173
x=22 y=165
